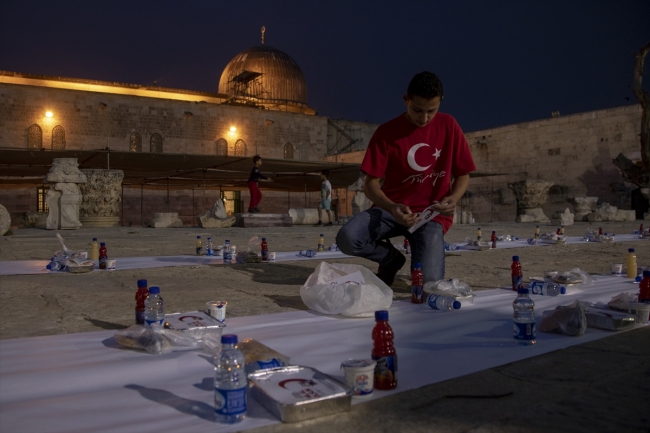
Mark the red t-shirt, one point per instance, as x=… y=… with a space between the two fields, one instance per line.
x=418 y=163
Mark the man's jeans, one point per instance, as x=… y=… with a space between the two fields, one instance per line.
x=368 y=235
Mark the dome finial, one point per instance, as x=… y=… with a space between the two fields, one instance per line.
x=263 y=31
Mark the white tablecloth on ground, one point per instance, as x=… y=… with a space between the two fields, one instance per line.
x=30 y=267
x=85 y=382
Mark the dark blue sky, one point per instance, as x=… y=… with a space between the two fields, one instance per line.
x=501 y=62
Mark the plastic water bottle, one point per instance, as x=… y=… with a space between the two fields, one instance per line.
x=631 y=263
x=209 y=249
x=230 y=382
x=140 y=298
x=265 y=250
x=479 y=234
x=199 y=246
x=154 y=310
x=94 y=250
x=407 y=246
x=524 y=318
x=441 y=302
x=227 y=253
x=417 y=297
x=546 y=288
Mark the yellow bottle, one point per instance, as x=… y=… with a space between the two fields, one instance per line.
x=631 y=263
x=94 y=250
x=199 y=246
x=537 y=232
x=321 y=244
x=562 y=230
x=479 y=234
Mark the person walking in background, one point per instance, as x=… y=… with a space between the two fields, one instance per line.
x=253 y=188
x=325 y=199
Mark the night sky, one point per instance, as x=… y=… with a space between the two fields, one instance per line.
x=501 y=62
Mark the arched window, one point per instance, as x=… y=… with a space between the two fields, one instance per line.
x=34 y=137
x=58 y=138
x=156 y=143
x=135 y=142
x=240 y=148
x=222 y=147
x=288 y=151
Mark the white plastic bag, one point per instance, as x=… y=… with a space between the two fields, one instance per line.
x=348 y=299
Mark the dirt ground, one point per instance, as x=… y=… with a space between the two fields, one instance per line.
x=598 y=386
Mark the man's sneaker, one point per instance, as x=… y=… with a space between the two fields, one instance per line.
x=329 y=224
x=319 y=223
x=250 y=210
x=387 y=270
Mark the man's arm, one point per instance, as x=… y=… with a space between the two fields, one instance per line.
x=400 y=212
x=447 y=205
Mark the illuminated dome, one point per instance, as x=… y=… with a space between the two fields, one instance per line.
x=265 y=76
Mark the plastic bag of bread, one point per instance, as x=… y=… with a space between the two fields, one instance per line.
x=568 y=320
x=259 y=356
x=155 y=339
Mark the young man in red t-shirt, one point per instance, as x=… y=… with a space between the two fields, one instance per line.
x=423 y=157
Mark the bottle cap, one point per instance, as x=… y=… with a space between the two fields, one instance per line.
x=321 y=234
x=94 y=239
x=646 y=274
x=522 y=291
x=515 y=258
x=456 y=305
x=493 y=231
x=630 y=250
x=142 y=283
x=229 y=339
x=154 y=290
x=563 y=290
x=103 y=244
x=227 y=241
x=417 y=266
x=198 y=237
x=381 y=315
x=263 y=239
x=638 y=278
x=209 y=238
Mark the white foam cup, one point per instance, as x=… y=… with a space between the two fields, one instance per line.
x=360 y=376
x=616 y=268
x=642 y=310
x=271 y=256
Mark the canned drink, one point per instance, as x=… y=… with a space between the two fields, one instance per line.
x=217 y=309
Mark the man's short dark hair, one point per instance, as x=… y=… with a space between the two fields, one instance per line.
x=256 y=158
x=426 y=84
x=326 y=173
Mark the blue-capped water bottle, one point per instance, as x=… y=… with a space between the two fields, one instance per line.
x=230 y=382
x=154 y=308
x=227 y=252
x=441 y=302
x=546 y=288
x=524 y=318
x=209 y=248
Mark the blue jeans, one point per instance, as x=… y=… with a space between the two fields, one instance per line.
x=368 y=235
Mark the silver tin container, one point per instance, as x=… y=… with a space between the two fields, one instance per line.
x=297 y=393
x=196 y=324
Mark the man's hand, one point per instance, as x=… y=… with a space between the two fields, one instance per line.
x=447 y=205
x=403 y=215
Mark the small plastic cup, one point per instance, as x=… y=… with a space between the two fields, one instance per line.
x=616 y=268
x=360 y=376
x=271 y=256
x=110 y=264
x=216 y=309
x=642 y=311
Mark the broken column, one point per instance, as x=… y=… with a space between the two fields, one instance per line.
x=582 y=206
x=531 y=196
x=102 y=195
x=64 y=196
x=216 y=217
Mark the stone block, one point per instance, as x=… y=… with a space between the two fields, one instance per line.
x=5 y=220
x=263 y=220
x=535 y=215
x=165 y=220
x=308 y=216
x=216 y=217
x=604 y=212
x=625 y=215
x=562 y=218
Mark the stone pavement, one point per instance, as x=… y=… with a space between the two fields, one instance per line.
x=597 y=386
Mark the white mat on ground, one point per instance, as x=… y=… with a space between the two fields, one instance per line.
x=28 y=267
x=84 y=382
x=571 y=240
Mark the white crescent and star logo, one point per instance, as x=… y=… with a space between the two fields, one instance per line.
x=410 y=157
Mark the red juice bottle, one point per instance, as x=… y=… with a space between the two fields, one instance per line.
x=383 y=352
x=644 y=288
x=103 y=255
x=493 y=239
x=140 y=297
x=600 y=231
x=407 y=246
x=517 y=275
x=417 y=296
x=265 y=250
